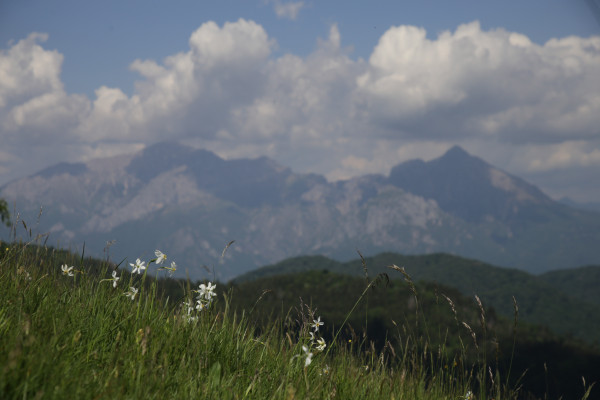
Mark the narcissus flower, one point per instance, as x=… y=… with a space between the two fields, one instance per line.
x=131 y=293
x=309 y=356
x=321 y=344
x=138 y=267
x=316 y=323
x=171 y=269
x=189 y=317
x=66 y=270
x=115 y=278
x=207 y=292
x=160 y=257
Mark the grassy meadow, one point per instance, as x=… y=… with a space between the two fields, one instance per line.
x=76 y=327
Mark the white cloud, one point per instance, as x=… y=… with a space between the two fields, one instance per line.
x=288 y=9
x=494 y=92
x=303 y=99
x=33 y=103
x=564 y=155
x=495 y=83
x=27 y=70
x=190 y=92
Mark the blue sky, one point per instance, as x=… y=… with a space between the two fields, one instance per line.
x=336 y=87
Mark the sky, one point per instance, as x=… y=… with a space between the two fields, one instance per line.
x=333 y=87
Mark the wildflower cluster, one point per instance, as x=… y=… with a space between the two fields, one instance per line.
x=205 y=295
x=140 y=266
x=319 y=342
x=204 y=298
x=316 y=343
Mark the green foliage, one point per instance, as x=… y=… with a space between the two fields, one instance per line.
x=568 y=310
x=4 y=213
x=581 y=283
x=391 y=317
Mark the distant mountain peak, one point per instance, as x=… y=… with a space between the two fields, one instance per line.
x=456 y=151
x=467 y=186
x=457 y=156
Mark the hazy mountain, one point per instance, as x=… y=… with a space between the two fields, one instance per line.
x=470 y=188
x=190 y=203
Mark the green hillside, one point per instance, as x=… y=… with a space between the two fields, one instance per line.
x=70 y=329
x=391 y=314
x=582 y=283
x=78 y=332
x=538 y=300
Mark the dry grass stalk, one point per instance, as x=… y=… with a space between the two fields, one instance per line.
x=482 y=310
x=472 y=334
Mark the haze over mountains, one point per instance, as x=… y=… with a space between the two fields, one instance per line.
x=190 y=203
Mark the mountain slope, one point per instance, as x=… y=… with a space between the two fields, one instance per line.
x=190 y=203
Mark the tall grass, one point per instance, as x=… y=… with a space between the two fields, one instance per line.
x=80 y=337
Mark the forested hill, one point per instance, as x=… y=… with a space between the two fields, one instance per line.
x=565 y=301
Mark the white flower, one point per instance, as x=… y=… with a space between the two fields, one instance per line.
x=115 y=278
x=309 y=356
x=138 y=266
x=321 y=345
x=205 y=295
x=131 y=293
x=210 y=291
x=206 y=292
x=325 y=370
x=160 y=256
x=308 y=359
x=171 y=269
x=469 y=395
x=201 y=291
x=312 y=337
x=316 y=323
x=66 y=270
x=190 y=309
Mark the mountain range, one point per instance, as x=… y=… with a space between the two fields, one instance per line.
x=190 y=203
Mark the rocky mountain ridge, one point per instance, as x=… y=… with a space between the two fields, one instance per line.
x=190 y=203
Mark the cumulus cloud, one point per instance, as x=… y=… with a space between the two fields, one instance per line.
x=472 y=83
x=27 y=70
x=325 y=112
x=33 y=103
x=189 y=92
